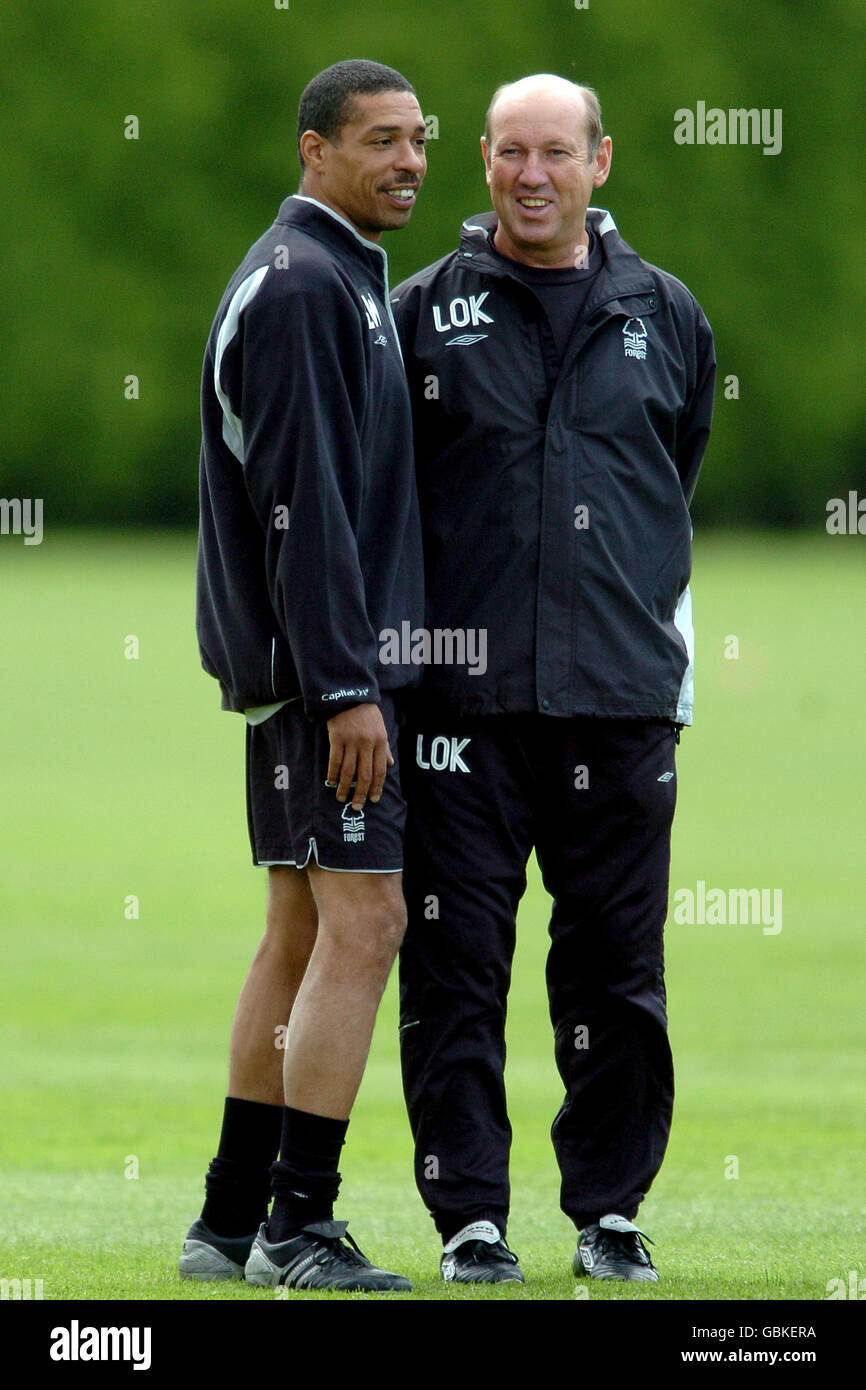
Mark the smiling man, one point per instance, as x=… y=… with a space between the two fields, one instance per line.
x=556 y=459
x=544 y=155
x=309 y=546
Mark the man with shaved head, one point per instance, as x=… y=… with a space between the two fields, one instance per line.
x=562 y=394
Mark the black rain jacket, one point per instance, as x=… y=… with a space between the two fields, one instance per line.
x=555 y=496
x=309 y=541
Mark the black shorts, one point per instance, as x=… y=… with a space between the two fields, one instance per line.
x=293 y=815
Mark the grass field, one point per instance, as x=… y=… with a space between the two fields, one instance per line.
x=122 y=777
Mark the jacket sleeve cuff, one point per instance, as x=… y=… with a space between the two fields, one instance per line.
x=324 y=704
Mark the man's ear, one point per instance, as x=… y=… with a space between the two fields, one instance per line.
x=313 y=150
x=603 y=157
x=486 y=161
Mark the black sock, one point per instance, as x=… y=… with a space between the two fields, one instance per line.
x=306 y=1180
x=238 y=1181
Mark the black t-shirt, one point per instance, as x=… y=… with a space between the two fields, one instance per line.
x=561 y=293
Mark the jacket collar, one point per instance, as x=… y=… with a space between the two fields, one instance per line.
x=334 y=231
x=622 y=273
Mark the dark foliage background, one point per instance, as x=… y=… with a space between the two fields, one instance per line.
x=116 y=251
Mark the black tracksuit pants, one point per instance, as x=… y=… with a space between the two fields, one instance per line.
x=595 y=798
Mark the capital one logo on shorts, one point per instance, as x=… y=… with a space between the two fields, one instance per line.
x=444 y=754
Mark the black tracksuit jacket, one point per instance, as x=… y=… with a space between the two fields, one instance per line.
x=309 y=542
x=554 y=495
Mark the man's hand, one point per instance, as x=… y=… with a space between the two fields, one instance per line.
x=360 y=753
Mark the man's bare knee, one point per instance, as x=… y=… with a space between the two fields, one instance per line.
x=371 y=937
x=364 y=919
x=384 y=929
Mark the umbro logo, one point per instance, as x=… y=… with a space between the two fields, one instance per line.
x=467 y=339
x=665 y=777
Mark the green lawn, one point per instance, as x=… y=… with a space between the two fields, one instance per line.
x=122 y=777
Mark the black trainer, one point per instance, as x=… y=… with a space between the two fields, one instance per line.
x=479 y=1255
x=208 y=1256
x=322 y=1256
x=612 y=1249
